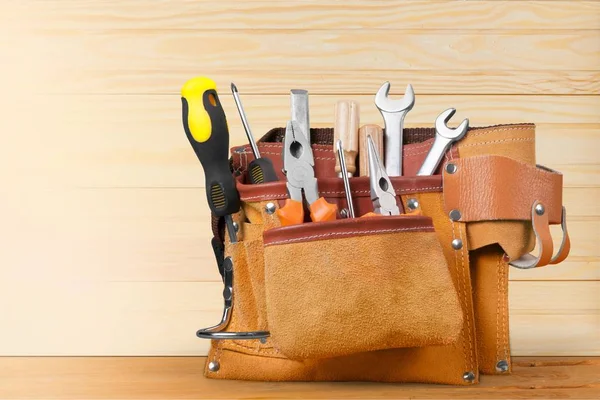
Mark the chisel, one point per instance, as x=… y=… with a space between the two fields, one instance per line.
x=206 y=128
x=347 y=117
x=260 y=169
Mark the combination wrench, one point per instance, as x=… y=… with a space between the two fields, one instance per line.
x=444 y=137
x=393 y=113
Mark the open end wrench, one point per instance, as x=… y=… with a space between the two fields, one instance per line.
x=393 y=113
x=444 y=137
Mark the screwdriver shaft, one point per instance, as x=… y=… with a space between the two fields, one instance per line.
x=238 y=103
x=340 y=151
x=230 y=229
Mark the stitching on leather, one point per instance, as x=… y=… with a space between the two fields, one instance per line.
x=464 y=273
x=419 y=189
x=265 y=196
x=498 y=303
x=245 y=153
x=463 y=306
x=499 y=141
x=398 y=191
x=264 y=351
x=463 y=285
x=298 y=239
x=505 y=310
x=218 y=354
x=515 y=128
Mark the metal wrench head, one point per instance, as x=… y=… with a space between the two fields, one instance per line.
x=442 y=129
x=382 y=191
x=385 y=104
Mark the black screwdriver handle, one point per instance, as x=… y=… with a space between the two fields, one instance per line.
x=206 y=128
x=261 y=170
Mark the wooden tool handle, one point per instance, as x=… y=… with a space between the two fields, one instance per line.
x=376 y=133
x=347 y=120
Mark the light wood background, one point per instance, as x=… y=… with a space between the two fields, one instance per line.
x=105 y=231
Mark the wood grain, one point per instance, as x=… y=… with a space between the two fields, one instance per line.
x=182 y=378
x=345 y=82
x=161 y=318
x=313 y=14
x=103 y=217
x=138 y=140
x=163 y=235
x=72 y=55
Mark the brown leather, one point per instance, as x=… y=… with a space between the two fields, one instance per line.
x=333 y=191
x=414 y=155
x=483 y=339
x=545 y=246
x=343 y=228
x=490 y=295
x=565 y=246
x=346 y=287
x=516 y=141
x=514 y=237
x=488 y=188
x=254 y=360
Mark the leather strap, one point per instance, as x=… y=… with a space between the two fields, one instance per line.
x=487 y=188
x=541 y=228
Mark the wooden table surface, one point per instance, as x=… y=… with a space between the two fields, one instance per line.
x=181 y=378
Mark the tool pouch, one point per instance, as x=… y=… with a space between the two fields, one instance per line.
x=355 y=285
x=419 y=298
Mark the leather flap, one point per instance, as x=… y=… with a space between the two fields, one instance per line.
x=345 y=228
x=487 y=188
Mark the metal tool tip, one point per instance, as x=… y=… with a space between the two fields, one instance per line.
x=338 y=145
x=233 y=87
x=384 y=90
x=447 y=114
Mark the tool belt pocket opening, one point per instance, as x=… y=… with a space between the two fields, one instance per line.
x=355 y=285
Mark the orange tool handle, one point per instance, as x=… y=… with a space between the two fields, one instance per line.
x=321 y=210
x=371 y=214
x=292 y=213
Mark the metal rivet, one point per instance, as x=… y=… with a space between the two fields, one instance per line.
x=344 y=213
x=214 y=366
x=457 y=244
x=502 y=366
x=469 y=377
x=263 y=340
x=455 y=215
x=539 y=209
x=236 y=226
x=227 y=293
x=412 y=204
x=270 y=208
x=451 y=168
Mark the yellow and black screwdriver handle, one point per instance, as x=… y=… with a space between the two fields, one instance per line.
x=206 y=128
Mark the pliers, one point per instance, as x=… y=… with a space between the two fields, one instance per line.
x=298 y=166
x=382 y=191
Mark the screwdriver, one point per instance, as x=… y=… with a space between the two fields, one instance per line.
x=347 y=117
x=345 y=176
x=205 y=126
x=261 y=169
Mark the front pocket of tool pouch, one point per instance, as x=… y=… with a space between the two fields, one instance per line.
x=355 y=285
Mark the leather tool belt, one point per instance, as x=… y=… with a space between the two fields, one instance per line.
x=421 y=297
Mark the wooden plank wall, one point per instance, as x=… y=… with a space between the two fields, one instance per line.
x=105 y=232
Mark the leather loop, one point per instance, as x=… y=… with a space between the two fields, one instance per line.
x=541 y=228
x=488 y=188
x=565 y=245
